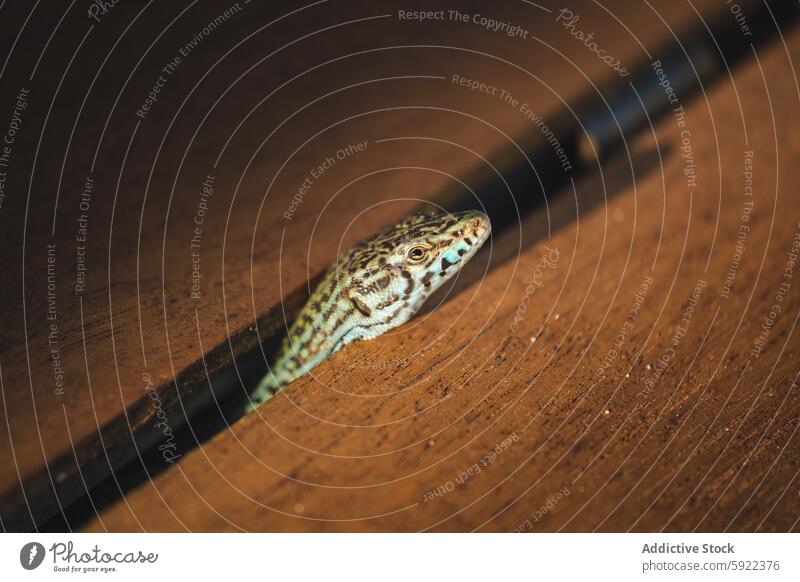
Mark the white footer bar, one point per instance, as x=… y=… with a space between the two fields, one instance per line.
x=401 y=557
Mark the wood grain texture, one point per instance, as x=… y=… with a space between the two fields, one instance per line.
x=461 y=421
x=258 y=106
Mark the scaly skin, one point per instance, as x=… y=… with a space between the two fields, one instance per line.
x=378 y=285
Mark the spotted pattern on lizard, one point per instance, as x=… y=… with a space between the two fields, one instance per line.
x=378 y=285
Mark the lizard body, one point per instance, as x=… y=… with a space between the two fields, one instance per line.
x=378 y=285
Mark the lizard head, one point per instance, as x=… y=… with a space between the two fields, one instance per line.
x=394 y=272
x=435 y=247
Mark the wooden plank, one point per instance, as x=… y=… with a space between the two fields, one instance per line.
x=656 y=396
x=130 y=339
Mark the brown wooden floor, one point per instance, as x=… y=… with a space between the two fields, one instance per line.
x=707 y=443
x=362 y=444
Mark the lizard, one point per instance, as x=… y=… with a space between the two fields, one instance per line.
x=376 y=286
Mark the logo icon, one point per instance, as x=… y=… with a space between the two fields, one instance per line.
x=31 y=555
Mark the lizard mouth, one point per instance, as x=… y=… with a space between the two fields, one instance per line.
x=474 y=228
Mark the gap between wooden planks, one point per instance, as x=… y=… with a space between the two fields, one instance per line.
x=136 y=324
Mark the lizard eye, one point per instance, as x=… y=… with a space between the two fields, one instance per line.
x=416 y=254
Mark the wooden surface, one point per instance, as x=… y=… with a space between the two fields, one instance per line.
x=133 y=342
x=707 y=442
